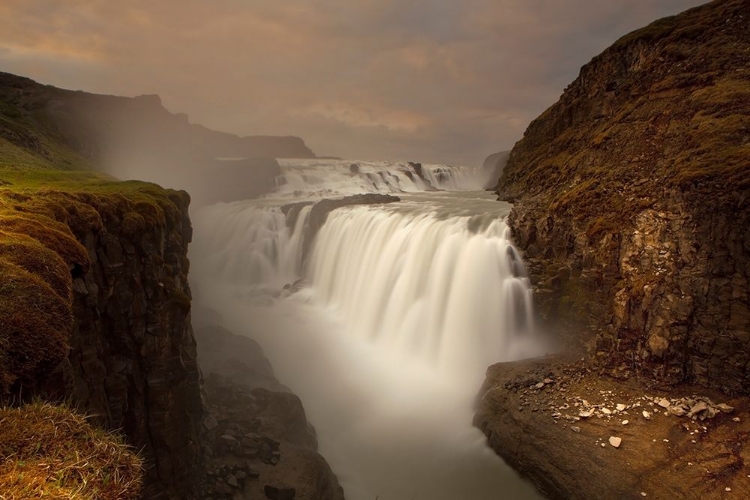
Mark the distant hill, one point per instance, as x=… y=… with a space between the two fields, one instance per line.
x=131 y=138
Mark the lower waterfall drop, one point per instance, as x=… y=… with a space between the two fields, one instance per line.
x=448 y=291
x=394 y=316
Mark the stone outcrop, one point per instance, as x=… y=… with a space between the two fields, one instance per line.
x=256 y=437
x=632 y=202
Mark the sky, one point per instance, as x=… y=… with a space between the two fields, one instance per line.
x=435 y=81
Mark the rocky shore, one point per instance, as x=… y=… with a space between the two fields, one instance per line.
x=578 y=435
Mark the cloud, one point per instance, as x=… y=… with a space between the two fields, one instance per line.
x=428 y=80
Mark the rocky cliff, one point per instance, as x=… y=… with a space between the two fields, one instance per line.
x=98 y=313
x=632 y=198
x=258 y=441
x=132 y=358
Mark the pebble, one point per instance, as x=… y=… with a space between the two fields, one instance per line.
x=646 y=415
x=664 y=403
x=625 y=422
x=727 y=489
x=621 y=407
x=606 y=411
x=575 y=429
x=643 y=493
x=736 y=419
x=539 y=385
x=586 y=413
x=603 y=445
x=615 y=441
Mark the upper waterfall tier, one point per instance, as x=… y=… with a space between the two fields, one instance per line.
x=328 y=178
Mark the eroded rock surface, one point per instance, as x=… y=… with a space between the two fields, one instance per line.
x=576 y=435
x=257 y=440
x=633 y=201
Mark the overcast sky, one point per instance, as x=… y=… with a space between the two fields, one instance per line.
x=446 y=81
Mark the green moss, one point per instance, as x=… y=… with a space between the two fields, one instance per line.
x=33 y=257
x=35 y=324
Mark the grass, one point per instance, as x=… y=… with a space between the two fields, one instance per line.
x=49 y=451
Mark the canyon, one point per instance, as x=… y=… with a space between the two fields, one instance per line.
x=315 y=328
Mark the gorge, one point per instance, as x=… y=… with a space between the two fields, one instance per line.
x=569 y=320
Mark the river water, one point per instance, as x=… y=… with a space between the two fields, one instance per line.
x=393 y=317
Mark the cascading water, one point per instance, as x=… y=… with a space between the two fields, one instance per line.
x=448 y=292
x=326 y=178
x=402 y=309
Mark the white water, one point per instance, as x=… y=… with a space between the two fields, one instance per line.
x=405 y=305
x=329 y=178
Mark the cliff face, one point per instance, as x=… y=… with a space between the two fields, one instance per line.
x=97 y=314
x=632 y=201
x=132 y=359
x=259 y=442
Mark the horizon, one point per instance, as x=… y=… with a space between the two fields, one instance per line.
x=428 y=82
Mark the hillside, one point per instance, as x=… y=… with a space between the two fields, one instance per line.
x=134 y=138
x=633 y=200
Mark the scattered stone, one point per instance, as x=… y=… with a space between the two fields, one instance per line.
x=664 y=403
x=603 y=445
x=576 y=429
x=677 y=411
x=615 y=441
x=727 y=489
x=643 y=493
x=698 y=408
x=585 y=413
x=621 y=407
x=539 y=385
x=725 y=408
x=547 y=380
x=646 y=415
x=625 y=422
x=232 y=481
x=736 y=419
x=606 y=411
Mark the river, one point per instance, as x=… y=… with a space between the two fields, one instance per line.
x=385 y=327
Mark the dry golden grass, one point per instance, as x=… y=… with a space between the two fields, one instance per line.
x=52 y=452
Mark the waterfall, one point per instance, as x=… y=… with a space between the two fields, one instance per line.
x=397 y=312
x=439 y=290
x=327 y=178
